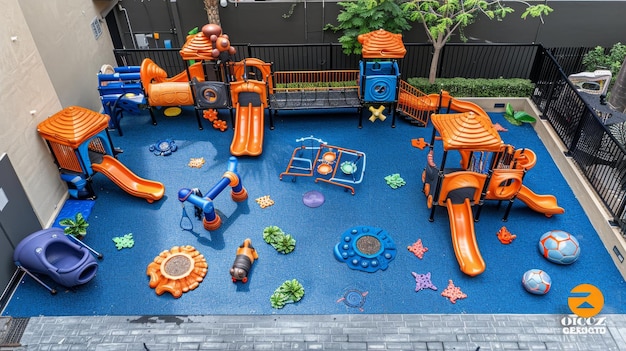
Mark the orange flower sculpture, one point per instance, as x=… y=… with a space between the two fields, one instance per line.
x=505 y=236
x=177 y=270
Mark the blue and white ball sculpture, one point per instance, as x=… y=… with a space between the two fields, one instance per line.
x=559 y=247
x=536 y=281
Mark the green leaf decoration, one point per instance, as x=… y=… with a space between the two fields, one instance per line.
x=283 y=243
x=289 y=292
x=278 y=300
x=293 y=289
x=76 y=226
x=125 y=241
x=272 y=234
x=524 y=117
x=517 y=117
x=394 y=180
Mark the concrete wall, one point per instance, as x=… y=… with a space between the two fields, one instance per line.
x=572 y=24
x=49 y=60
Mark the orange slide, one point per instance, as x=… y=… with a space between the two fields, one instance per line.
x=250 y=100
x=464 y=238
x=128 y=181
x=248 y=138
x=545 y=204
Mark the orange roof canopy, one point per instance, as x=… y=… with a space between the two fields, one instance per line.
x=382 y=44
x=467 y=131
x=72 y=126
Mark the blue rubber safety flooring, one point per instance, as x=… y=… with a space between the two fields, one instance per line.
x=331 y=285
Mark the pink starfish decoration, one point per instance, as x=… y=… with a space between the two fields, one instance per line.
x=418 y=249
x=453 y=292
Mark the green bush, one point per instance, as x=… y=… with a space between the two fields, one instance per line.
x=481 y=87
x=599 y=59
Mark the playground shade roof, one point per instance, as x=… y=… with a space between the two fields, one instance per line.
x=467 y=131
x=197 y=47
x=382 y=44
x=72 y=126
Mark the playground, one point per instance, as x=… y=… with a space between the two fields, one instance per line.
x=384 y=209
x=121 y=286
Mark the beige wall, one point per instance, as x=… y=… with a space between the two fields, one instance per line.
x=49 y=60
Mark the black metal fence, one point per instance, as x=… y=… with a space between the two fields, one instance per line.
x=600 y=157
x=457 y=60
x=598 y=154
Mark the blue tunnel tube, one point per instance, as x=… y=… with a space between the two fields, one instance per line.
x=212 y=220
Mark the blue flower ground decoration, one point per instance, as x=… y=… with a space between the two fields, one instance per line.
x=366 y=249
x=163 y=147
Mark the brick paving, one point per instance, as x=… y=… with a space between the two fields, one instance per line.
x=464 y=332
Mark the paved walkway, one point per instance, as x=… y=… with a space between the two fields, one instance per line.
x=319 y=332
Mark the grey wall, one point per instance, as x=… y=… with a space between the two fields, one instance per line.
x=572 y=24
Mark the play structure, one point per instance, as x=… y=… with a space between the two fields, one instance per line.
x=212 y=220
x=249 y=88
x=489 y=170
x=327 y=163
x=50 y=252
x=121 y=92
x=82 y=147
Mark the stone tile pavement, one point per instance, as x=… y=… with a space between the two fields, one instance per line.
x=464 y=332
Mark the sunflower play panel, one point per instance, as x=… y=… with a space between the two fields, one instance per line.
x=327 y=163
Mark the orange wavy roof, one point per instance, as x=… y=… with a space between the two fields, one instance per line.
x=382 y=44
x=197 y=47
x=467 y=131
x=72 y=126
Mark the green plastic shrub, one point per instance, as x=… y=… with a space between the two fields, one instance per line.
x=283 y=243
x=289 y=292
x=76 y=227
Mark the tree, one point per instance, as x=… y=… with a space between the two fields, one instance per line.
x=212 y=11
x=364 y=16
x=441 y=18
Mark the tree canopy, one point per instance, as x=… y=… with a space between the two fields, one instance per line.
x=439 y=19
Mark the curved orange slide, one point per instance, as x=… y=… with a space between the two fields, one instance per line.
x=464 y=238
x=248 y=138
x=545 y=204
x=128 y=181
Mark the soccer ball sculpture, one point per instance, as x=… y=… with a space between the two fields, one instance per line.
x=559 y=247
x=536 y=281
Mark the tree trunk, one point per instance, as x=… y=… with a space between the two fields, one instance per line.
x=434 y=63
x=617 y=98
x=212 y=11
